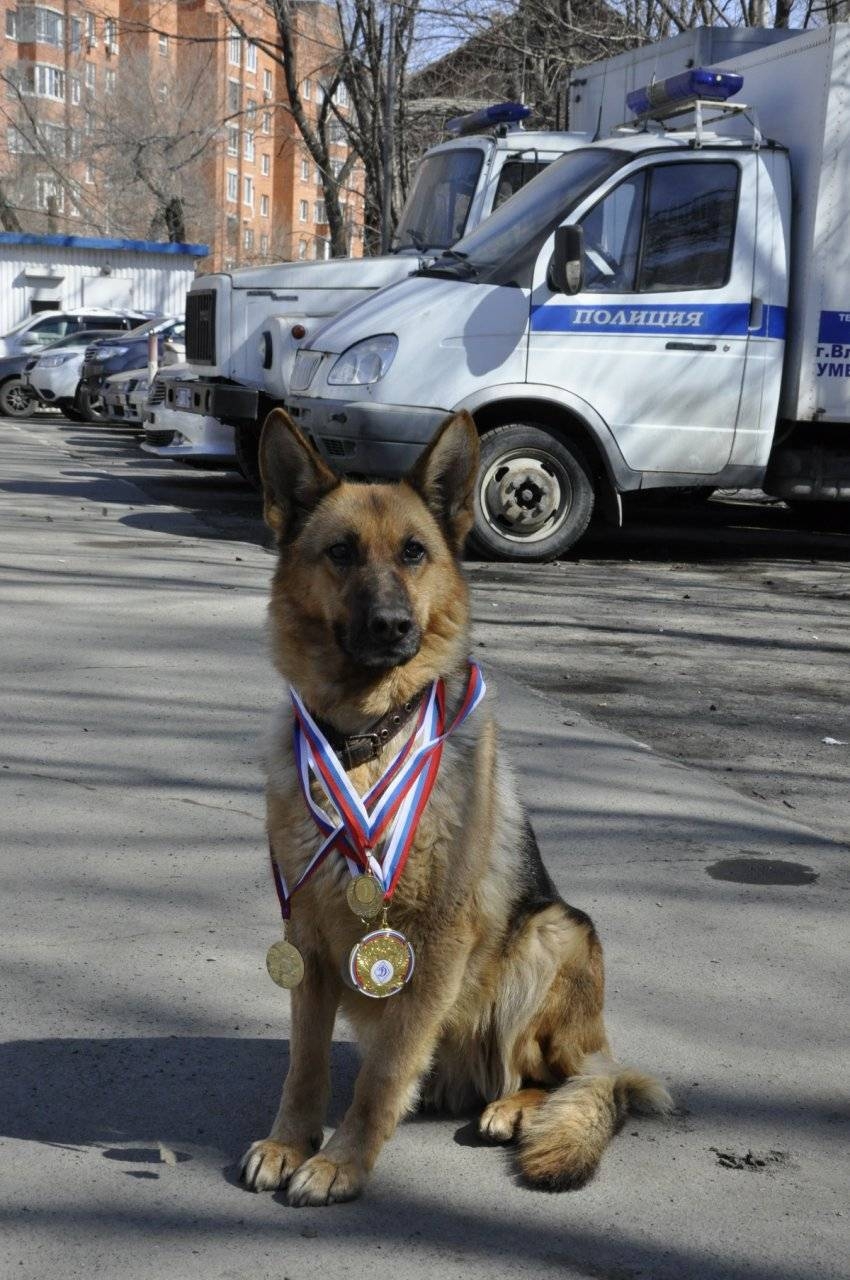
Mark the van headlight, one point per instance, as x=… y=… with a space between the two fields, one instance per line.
x=364 y=363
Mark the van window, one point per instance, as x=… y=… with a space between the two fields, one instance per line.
x=664 y=229
x=690 y=224
x=515 y=174
x=52 y=326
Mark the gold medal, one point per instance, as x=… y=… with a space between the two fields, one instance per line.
x=381 y=963
x=285 y=964
x=365 y=896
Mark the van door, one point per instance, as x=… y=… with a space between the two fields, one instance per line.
x=656 y=341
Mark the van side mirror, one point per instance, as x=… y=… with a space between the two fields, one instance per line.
x=566 y=270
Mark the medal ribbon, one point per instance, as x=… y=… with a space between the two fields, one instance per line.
x=391 y=808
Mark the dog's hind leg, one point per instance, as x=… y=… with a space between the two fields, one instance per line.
x=297 y=1129
x=507 y=1117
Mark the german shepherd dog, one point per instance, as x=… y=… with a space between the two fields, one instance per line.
x=504 y=1011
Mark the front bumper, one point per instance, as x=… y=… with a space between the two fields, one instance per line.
x=183 y=435
x=365 y=438
x=229 y=402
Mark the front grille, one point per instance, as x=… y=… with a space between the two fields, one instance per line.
x=304 y=369
x=159 y=438
x=337 y=448
x=157 y=391
x=200 y=327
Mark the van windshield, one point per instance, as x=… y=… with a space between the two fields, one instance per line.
x=504 y=248
x=437 y=207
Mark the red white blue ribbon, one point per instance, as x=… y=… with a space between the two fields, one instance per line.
x=390 y=811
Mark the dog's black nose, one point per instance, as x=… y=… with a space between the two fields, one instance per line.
x=388 y=626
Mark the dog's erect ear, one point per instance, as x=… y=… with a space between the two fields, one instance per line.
x=444 y=476
x=295 y=479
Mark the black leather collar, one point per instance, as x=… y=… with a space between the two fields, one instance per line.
x=358 y=748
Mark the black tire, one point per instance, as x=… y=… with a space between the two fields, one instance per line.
x=70 y=411
x=534 y=494
x=16 y=400
x=247 y=449
x=91 y=407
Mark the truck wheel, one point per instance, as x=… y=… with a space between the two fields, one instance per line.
x=534 y=494
x=247 y=449
x=16 y=400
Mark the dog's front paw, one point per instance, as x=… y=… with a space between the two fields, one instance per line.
x=322 y=1181
x=500 y=1120
x=267 y=1165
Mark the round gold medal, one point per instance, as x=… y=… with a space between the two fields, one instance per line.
x=381 y=963
x=285 y=964
x=365 y=896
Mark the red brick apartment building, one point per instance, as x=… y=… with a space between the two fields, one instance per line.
x=89 y=91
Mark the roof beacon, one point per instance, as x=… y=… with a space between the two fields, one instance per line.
x=488 y=118
x=671 y=96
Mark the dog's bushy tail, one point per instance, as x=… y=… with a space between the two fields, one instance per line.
x=563 y=1140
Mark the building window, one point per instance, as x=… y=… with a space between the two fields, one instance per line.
x=267 y=122
x=251 y=110
x=163 y=46
x=307 y=89
x=303 y=210
x=234 y=95
x=264 y=245
x=76 y=35
x=336 y=167
x=47 y=189
x=91 y=30
x=88 y=124
x=91 y=76
x=264 y=206
x=109 y=83
x=320 y=211
x=76 y=90
x=110 y=35
x=305 y=170
x=267 y=83
x=341 y=95
x=251 y=58
x=89 y=173
x=234 y=48
x=336 y=131
x=248 y=191
x=232 y=140
x=265 y=166
x=12 y=24
x=232 y=184
x=249 y=144
x=17 y=143
x=162 y=91
x=302 y=248
x=49 y=82
x=248 y=238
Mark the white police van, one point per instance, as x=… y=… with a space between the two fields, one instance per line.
x=625 y=321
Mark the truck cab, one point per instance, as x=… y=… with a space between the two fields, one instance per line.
x=619 y=324
x=244 y=327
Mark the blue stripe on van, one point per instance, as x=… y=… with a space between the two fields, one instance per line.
x=834 y=326
x=725 y=319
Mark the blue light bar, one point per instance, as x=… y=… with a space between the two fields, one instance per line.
x=700 y=82
x=487 y=117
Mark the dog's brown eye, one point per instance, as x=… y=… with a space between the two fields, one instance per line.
x=341 y=553
x=413 y=552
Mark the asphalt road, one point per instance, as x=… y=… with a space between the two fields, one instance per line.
x=719 y=634
x=142 y=1045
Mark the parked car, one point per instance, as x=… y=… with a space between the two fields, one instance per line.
x=117 y=355
x=124 y=396
x=53 y=376
x=37 y=331
x=173 y=431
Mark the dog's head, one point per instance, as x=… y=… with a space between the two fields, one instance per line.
x=368 y=602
